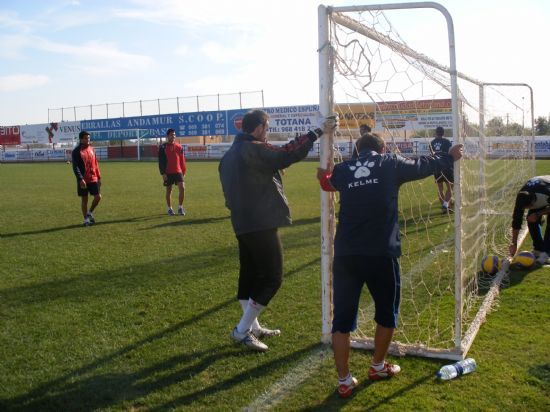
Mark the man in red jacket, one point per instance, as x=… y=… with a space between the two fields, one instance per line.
x=172 y=168
x=88 y=177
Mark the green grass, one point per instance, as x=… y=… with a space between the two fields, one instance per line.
x=135 y=312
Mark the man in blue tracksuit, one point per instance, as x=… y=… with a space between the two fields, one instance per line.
x=253 y=190
x=367 y=244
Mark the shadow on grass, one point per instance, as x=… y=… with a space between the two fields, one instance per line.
x=80 y=226
x=540 y=374
x=514 y=277
x=227 y=384
x=334 y=403
x=411 y=226
x=93 y=285
x=184 y=221
x=73 y=392
x=44 y=394
x=306 y=221
x=101 y=391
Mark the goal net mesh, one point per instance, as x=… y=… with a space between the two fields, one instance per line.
x=397 y=89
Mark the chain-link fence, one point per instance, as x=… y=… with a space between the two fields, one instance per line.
x=187 y=104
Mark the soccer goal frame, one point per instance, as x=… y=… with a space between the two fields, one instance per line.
x=463 y=336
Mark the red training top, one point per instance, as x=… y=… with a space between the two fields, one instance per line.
x=171 y=159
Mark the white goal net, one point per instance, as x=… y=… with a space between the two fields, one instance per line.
x=370 y=74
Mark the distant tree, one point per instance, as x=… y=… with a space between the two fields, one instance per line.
x=542 y=126
x=514 y=129
x=495 y=127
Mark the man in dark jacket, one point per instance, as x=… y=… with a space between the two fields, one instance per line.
x=367 y=244
x=253 y=189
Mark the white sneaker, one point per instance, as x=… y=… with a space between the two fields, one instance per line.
x=87 y=222
x=181 y=211
x=248 y=339
x=171 y=212
x=543 y=258
x=265 y=333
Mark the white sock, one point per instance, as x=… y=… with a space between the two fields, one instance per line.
x=378 y=366
x=345 y=381
x=445 y=204
x=244 y=305
x=253 y=309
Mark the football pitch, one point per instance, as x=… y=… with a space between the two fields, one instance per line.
x=135 y=312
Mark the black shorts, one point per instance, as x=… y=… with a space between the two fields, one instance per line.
x=446 y=175
x=91 y=188
x=382 y=276
x=173 y=179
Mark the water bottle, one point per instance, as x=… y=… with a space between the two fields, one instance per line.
x=462 y=367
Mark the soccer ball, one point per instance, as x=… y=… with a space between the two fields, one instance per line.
x=524 y=260
x=490 y=264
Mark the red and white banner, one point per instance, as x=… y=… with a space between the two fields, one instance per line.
x=10 y=135
x=50 y=133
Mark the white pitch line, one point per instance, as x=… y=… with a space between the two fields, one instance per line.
x=285 y=386
x=282 y=388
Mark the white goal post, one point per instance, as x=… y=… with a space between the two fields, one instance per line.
x=364 y=65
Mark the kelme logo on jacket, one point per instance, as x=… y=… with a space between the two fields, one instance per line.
x=361 y=169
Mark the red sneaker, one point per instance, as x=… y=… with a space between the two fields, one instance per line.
x=346 y=390
x=387 y=372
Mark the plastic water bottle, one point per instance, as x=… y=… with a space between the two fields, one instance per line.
x=462 y=367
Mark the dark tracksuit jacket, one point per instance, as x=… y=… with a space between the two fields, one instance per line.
x=252 y=184
x=368 y=221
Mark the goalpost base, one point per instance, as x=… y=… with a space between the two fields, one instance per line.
x=402 y=349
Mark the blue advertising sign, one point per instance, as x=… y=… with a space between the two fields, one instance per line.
x=289 y=120
x=185 y=125
x=119 y=134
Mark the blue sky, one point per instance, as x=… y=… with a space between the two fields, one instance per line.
x=64 y=53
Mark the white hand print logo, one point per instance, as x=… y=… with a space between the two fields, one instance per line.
x=361 y=169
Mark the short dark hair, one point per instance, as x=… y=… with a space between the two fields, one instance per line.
x=370 y=141
x=253 y=119
x=524 y=199
x=170 y=131
x=82 y=134
x=439 y=131
x=365 y=128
